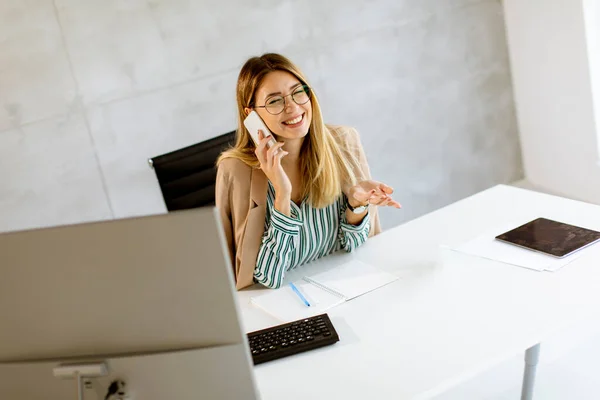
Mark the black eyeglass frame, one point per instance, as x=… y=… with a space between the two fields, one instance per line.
x=306 y=88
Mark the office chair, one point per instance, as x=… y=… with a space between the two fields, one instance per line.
x=187 y=176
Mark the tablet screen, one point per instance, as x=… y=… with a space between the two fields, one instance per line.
x=551 y=237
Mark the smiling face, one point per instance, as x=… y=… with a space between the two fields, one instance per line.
x=294 y=121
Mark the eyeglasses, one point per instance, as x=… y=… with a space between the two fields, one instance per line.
x=276 y=104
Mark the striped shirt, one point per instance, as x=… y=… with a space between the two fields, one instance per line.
x=308 y=234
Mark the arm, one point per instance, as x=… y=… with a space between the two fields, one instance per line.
x=278 y=241
x=353 y=231
x=223 y=203
x=364 y=173
x=278 y=244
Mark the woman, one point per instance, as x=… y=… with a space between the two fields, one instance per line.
x=303 y=198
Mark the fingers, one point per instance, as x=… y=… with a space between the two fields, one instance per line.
x=273 y=153
x=277 y=158
x=262 y=148
x=375 y=193
x=361 y=195
x=383 y=200
x=385 y=188
x=263 y=140
x=379 y=186
x=378 y=200
x=395 y=204
x=377 y=196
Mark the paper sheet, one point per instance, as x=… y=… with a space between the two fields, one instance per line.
x=486 y=246
x=286 y=306
x=350 y=280
x=354 y=278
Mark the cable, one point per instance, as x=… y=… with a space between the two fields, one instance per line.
x=115 y=387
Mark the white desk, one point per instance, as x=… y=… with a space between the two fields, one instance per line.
x=449 y=317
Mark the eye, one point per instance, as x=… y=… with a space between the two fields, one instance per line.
x=274 y=101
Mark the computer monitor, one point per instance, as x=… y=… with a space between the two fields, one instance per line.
x=151 y=297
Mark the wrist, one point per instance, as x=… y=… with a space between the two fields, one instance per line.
x=282 y=196
x=280 y=192
x=354 y=203
x=359 y=209
x=282 y=204
x=356 y=217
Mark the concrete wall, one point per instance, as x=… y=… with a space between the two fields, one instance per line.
x=90 y=89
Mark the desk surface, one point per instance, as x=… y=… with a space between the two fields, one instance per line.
x=449 y=317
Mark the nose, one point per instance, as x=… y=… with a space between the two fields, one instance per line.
x=290 y=105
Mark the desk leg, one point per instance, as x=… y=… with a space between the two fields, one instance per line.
x=532 y=356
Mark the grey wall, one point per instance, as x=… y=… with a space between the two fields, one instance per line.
x=90 y=89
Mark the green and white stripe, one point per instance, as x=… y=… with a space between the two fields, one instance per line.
x=310 y=233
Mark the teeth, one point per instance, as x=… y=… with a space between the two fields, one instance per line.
x=294 y=121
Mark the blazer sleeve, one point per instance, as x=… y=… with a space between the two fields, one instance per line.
x=232 y=198
x=223 y=188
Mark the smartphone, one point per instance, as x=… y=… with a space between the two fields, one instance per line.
x=254 y=123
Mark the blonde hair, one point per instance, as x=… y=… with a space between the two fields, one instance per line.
x=327 y=166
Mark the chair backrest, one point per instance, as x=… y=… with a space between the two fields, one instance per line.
x=187 y=176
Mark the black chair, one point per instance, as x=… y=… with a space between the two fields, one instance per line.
x=187 y=176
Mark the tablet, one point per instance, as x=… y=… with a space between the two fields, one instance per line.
x=550 y=237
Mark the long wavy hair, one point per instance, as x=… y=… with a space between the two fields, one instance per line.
x=323 y=164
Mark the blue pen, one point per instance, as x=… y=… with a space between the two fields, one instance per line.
x=295 y=289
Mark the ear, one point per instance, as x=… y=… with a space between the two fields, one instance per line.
x=247 y=110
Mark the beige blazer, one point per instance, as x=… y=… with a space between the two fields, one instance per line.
x=241 y=197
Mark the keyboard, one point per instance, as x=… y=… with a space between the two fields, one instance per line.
x=291 y=338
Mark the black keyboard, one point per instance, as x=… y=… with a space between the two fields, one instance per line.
x=291 y=338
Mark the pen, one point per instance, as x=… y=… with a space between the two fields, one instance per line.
x=295 y=289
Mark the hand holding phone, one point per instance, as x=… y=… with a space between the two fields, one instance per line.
x=254 y=123
x=270 y=160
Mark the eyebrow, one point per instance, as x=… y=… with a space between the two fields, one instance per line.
x=291 y=87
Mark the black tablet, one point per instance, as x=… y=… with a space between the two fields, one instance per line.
x=551 y=237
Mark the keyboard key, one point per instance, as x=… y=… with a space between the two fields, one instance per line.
x=290 y=338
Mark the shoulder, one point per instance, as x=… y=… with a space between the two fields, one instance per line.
x=345 y=136
x=234 y=169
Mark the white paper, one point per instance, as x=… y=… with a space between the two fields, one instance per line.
x=487 y=246
x=285 y=305
x=350 y=279
x=354 y=278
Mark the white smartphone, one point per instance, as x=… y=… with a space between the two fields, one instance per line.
x=254 y=123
